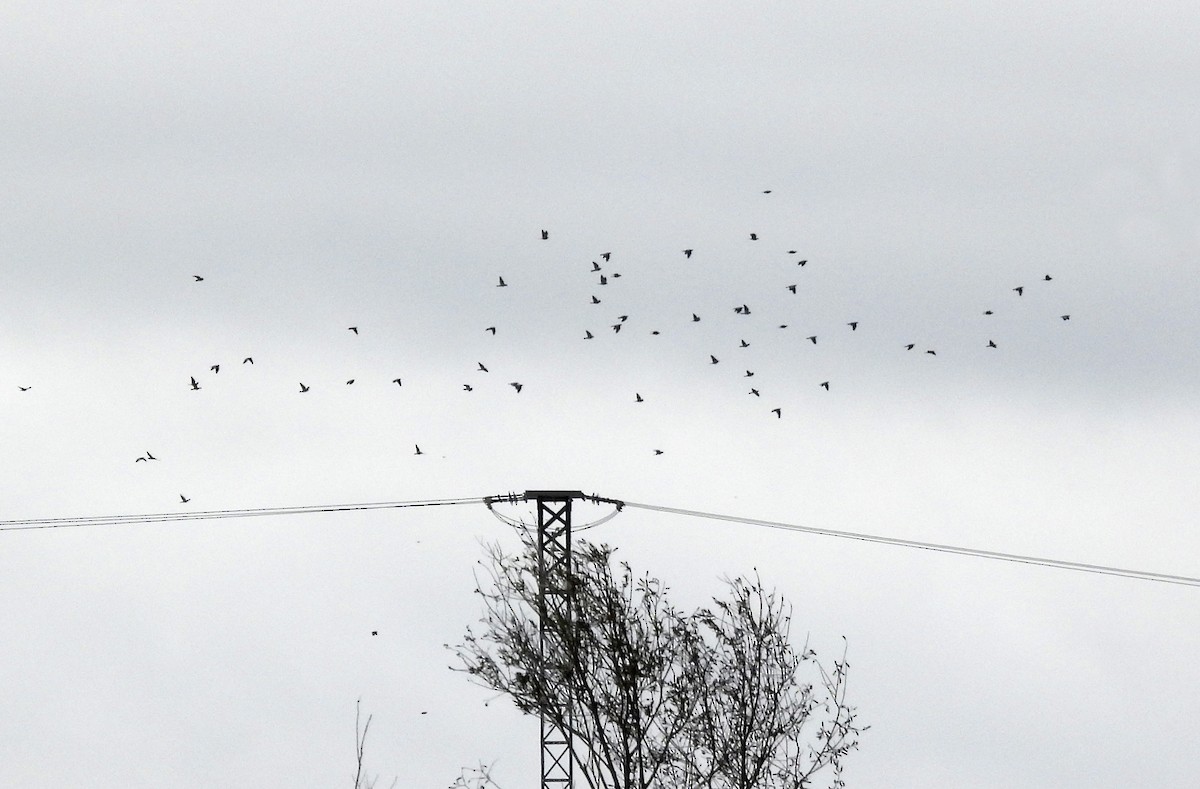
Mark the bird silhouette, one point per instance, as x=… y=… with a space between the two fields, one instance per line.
x=825 y=384
x=149 y=456
x=991 y=344
x=616 y=327
x=350 y=382
x=502 y=284
x=607 y=256
x=714 y=359
x=136 y=460
x=545 y=234
x=658 y=451
x=910 y=346
x=695 y=318
x=792 y=251
x=603 y=280
x=24 y=388
x=352 y=328
x=853 y=325
x=195 y=384
x=778 y=412
x=932 y=353
x=198 y=278
x=468 y=388
x=216 y=368
x=792 y=288
x=622 y=318
x=481 y=367
x=374 y=632
x=639 y=398
x=517 y=386
x=1065 y=317
x=748 y=374
x=492 y=329
x=802 y=262
x=754 y=392
x=303 y=388
x=247 y=360
x=418 y=452
x=813 y=339
x=744 y=344
x=1019 y=289
x=595 y=266
x=754 y=236
x=587 y=335
x=766 y=191
x=397 y=382
x=1047 y=278
x=687 y=253
x=987 y=312
x=183 y=499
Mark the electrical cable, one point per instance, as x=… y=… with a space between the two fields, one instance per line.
x=1143 y=575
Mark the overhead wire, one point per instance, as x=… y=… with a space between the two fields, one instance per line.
x=1061 y=564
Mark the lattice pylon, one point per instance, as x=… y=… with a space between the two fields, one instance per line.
x=554 y=605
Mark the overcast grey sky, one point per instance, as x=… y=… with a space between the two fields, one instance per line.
x=381 y=165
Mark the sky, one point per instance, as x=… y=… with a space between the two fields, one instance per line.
x=383 y=165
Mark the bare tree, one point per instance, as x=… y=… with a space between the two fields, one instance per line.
x=655 y=697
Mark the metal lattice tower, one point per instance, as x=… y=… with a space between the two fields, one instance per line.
x=554 y=604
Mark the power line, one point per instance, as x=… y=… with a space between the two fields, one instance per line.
x=1142 y=575
x=169 y=517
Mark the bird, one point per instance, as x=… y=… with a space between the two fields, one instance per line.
x=754 y=236
x=195 y=384
x=714 y=359
x=545 y=234
x=23 y=388
x=991 y=344
x=622 y=318
x=695 y=318
x=397 y=382
x=350 y=382
x=595 y=300
x=587 y=335
x=687 y=253
x=658 y=451
x=139 y=459
x=1047 y=278
x=482 y=369
x=792 y=288
x=216 y=368
x=791 y=251
x=247 y=360
x=352 y=328
x=754 y=392
x=932 y=353
x=783 y=325
x=183 y=499
x=987 y=312
x=1065 y=317
x=502 y=284
x=516 y=386
x=853 y=325
x=197 y=277
x=639 y=398
x=603 y=280
x=655 y=332
x=1019 y=289
x=825 y=384
x=616 y=327
x=149 y=456
x=303 y=388
x=492 y=329
x=910 y=346
x=595 y=266
x=813 y=338
x=802 y=262
x=748 y=374
x=766 y=191
x=744 y=344
x=468 y=388
x=607 y=256
x=778 y=412
x=418 y=452
x=374 y=632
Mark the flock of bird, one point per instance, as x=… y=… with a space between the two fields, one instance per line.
x=600 y=269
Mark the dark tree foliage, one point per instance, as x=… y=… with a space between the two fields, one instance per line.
x=656 y=697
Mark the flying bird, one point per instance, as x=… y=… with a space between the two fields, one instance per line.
x=987 y=312
x=695 y=318
x=853 y=325
x=813 y=338
x=607 y=256
x=744 y=344
x=418 y=452
x=825 y=384
x=502 y=284
x=374 y=632
x=303 y=388
x=791 y=251
x=195 y=384
x=139 y=459
x=766 y=191
x=350 y=382
x=932 y=353
x=1065 y=317
x=595 y=266
x=778 y=412
x=149 y=456
x=910 y=346
x=516 y=386
x=1019 y=289
x=468 y=388
x=622 y=318
x=481 y=367
x=183 y=499
x=545 y=234
x=587 y=335
x=352 y=328
x=991 y=344
x=595 y=300
x=396 y=381
x=1047 y=278
x=27 y=388
x=792 y=288
x=658 y=451
x=616 y=327
x=247 y=360
x=748 y=374
x=639 y=398
x=198 y=278
x=603 y=280
x=492 y=329
x=802 y=262
x=754 y=236
x=714 y=359
x=754 y=392
x=687 y=253
x=216 y=368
